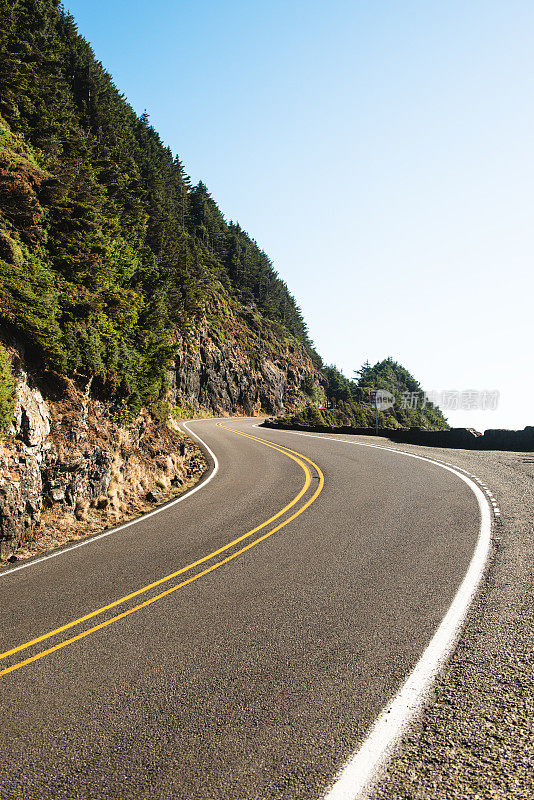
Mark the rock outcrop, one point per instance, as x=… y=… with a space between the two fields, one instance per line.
x=21 y=462
x=247 y=368
x=67 y=468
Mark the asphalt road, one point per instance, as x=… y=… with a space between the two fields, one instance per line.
x=258 y=678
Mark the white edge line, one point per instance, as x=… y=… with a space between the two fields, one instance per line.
x=363 y=767
x=142 y=518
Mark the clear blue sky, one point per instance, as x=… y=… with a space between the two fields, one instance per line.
x=380 y=152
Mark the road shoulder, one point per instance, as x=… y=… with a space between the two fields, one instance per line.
x=474 y=735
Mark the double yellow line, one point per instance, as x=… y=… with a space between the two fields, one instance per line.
x=301 y=460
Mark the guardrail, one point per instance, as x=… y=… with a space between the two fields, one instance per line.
x=465 y=438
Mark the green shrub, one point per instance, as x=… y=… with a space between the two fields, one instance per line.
x=8 y=391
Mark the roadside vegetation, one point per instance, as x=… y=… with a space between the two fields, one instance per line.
x=7 y=391
x=347 y=401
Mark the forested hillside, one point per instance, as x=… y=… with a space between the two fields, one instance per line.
x=108 y=255
x=349 y=401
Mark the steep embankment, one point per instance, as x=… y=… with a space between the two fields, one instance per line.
x=127 y=300
x=237 y=362
x=68 y=469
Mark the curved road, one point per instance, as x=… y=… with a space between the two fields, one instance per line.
x=258 y=678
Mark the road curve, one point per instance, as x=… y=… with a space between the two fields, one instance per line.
x=202 y=654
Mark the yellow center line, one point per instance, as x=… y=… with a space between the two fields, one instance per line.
x=286 y=451
x=167 y=578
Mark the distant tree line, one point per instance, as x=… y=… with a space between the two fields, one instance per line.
x=349 y=400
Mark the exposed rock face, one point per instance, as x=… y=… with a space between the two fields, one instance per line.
x=217 y=382
x=66 y=468
x=32 y=416
x=20 y=499
x=224 y=377
x=21 y=482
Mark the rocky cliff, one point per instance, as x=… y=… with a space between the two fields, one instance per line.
x=237 y=362
x=67 y=468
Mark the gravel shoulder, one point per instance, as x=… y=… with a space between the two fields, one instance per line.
x=475 y=737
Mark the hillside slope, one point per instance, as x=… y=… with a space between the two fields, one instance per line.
x=108 y=255
x=127 y=300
